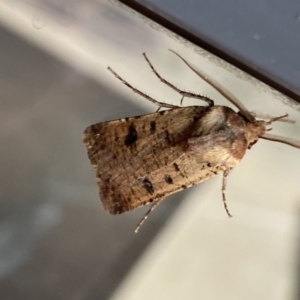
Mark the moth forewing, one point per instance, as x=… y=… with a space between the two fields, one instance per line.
x=143 y=159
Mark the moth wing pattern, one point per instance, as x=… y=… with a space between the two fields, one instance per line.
x=139 y=160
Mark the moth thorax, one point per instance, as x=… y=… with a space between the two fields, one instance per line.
x=255 y=130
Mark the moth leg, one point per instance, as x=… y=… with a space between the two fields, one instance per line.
x=160 y=104
x=209 y=101
x=154 y=205
x=225 y=175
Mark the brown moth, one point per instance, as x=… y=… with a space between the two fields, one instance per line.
x=143 y=159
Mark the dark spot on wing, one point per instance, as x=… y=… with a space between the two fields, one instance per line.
x=196 y=119
x=162 y=112
x=168 y=179
x=132 y=136
x=183 y=187
x=176 y=167
x=168 y=138
x=152 y=126
x=147 y=184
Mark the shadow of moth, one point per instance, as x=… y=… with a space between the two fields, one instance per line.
x=143 y=159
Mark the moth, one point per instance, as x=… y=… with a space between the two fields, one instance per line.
x=143 y=159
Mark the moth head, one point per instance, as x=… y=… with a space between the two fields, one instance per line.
x=259 y=128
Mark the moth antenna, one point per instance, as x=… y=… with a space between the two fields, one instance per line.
x=277 y=119
x=223 y=91
x=155 y=204
x=281 y=139
x=267 y=117
x=224 y=183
